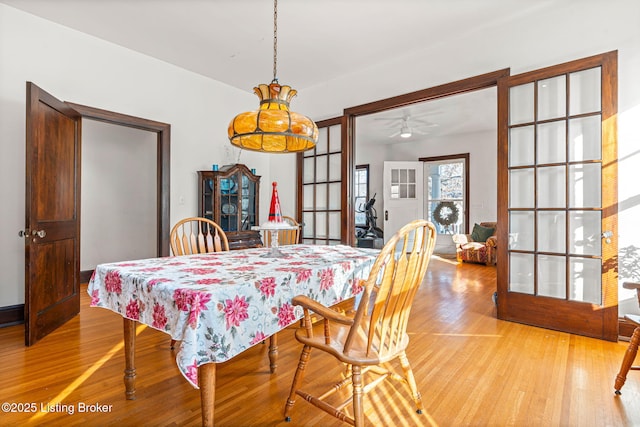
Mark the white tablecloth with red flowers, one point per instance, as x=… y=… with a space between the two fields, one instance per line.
x=220 y=304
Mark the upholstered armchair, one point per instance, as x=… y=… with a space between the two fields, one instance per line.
x=479 y=246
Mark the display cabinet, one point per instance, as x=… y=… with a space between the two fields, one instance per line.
x=230 y=197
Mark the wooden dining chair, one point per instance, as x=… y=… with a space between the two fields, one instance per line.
x=285 y=237
x=632 y=350
x=376 y=334
x=196 y=235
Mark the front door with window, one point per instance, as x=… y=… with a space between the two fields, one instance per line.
x=446 y=201
x=557 y=215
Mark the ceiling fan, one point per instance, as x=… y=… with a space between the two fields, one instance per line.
x=407 y=126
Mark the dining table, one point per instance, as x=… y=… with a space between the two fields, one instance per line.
x=219 y=304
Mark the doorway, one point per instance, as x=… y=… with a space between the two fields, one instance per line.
x=163 y=151
x=446 y=202
x=467 y=87
x=118 y=203
x=52 y=220
x=552 y=104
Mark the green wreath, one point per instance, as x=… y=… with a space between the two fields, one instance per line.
x=446 y=213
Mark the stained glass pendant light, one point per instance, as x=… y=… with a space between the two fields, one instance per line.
x=273 y=128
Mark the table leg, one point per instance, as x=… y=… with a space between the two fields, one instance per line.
x=207 y=384
x=129 y=356
x=273 y=353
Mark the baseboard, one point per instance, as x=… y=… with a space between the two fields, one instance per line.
x=85 y=276
x=11 y=315
x=14 y=314
x=625 y=329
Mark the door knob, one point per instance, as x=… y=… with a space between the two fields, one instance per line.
x=39 y=233
x=24 y=233
x=607 y=236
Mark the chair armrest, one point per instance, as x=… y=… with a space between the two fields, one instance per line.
x=631 y=285
x=492 y=241
x=461 y=239
x=326 y=312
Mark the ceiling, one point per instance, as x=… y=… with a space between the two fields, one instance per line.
x=231 y=41
x=457 y=114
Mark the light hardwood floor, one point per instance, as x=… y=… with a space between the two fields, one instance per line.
x=471 y=368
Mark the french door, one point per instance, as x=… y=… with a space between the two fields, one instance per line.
x=557 y=214
x=323 y=180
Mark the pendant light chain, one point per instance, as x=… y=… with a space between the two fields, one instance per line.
x=275 y=41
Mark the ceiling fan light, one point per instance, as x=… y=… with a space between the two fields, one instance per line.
x=405 y=132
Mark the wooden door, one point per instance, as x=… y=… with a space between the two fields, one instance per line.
x=52 y=242
x=323 y=180
x=557 y=204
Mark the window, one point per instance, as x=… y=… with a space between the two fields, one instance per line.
x=446 y=192
x=403 y=183
x=361 y=194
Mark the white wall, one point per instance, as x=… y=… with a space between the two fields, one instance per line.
x=118 y=194
x=553 y=33
x=79 y=68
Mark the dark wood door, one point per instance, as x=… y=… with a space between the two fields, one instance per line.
x=324 y=176
x=52 y=238
x=557 y=200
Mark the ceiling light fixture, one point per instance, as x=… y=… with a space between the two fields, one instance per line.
x=273 y=128
x=405 y=131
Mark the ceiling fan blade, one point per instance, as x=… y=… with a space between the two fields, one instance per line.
x=424 y=123
x=426 y=113
x=389 y=119
x=393 y=135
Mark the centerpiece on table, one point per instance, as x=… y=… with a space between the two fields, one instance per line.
x=274 y=224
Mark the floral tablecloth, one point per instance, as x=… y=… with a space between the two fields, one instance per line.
x=220 y=304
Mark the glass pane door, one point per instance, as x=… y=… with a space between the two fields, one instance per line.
x=446 y=194
x=322 y=187
x=558 y=139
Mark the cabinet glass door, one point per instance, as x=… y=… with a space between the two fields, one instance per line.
x=207 y=198
x=229 y=193
x=248 y=203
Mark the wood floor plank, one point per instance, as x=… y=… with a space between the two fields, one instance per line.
x=472 y=370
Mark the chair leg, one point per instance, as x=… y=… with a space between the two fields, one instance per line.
x=348 y=371
x=408 y=373
x=358 y=412
x=297 y=379
x=629 y=357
